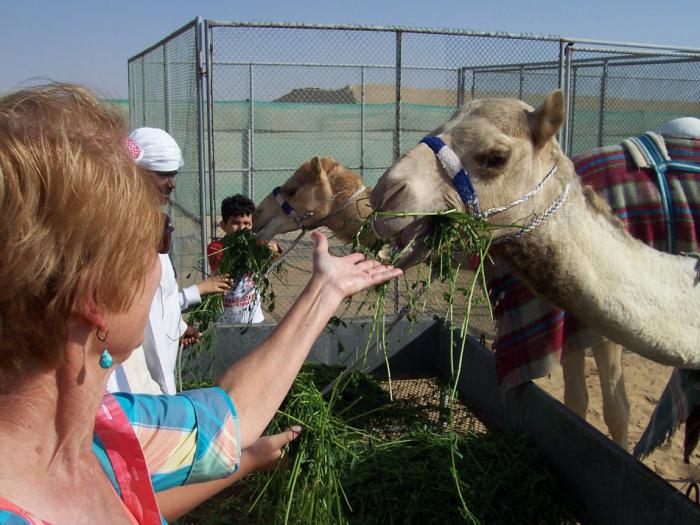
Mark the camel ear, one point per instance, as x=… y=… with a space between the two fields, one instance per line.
x=548 y=118
x=317 y=172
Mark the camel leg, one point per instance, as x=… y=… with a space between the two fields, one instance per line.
x=575 y=393
x=616 y=410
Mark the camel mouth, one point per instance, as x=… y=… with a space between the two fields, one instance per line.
x=408 y=246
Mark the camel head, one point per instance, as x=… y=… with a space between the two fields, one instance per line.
x=505 y=147
x=316 y=192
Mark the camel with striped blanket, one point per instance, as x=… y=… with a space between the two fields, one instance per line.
x=568 y=246
x=537 y=336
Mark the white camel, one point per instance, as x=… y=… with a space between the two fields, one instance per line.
x=569 y=247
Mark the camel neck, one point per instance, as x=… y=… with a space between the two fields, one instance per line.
x=587 y=264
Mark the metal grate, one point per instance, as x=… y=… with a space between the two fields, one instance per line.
x=430 y=395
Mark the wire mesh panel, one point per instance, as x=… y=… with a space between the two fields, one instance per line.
x=163 y=94
x=278 y=95
x=615 y=94
x=476 y=70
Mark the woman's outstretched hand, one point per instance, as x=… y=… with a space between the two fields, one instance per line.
x=345 y=276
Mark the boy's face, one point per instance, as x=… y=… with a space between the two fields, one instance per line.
x=236 y=223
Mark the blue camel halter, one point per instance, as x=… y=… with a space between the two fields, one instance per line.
x=455 y=171
x=286 y=207
x=463 y=184
x=289 y=210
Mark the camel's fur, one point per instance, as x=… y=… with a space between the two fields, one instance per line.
x=318 y=188
x=607 y=355
x=579 y=259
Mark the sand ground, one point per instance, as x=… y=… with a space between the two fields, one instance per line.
x=644 y=381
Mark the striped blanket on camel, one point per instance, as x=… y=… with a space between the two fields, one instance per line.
x=532 y=335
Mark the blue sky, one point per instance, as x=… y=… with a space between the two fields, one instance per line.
x=90 y=42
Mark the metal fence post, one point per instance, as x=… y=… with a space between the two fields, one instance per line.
x=572 y=106
x=602 y=103
x=362 y=122
x=251 y=131
x=565 y=49
x=397 y=140
x=166 y=88
x=209 y=49
x=168 y=127
x=397 y=123
x=460 y=86
x=473 y=83
x=200 y=125
x=521 y=82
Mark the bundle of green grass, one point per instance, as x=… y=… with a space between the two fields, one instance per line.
x=240 y=255
x=363 y=459
x=447 y=241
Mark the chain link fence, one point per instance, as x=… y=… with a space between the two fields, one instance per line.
x=165 y=92
x=272 y=96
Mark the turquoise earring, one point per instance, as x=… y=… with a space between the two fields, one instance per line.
x=105 y=358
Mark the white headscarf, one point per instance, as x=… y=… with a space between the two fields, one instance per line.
x=684 y=127
x=154 y=149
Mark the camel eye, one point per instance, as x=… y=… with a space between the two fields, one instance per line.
x=290 y=192
x=493 y=159
x=496 y=159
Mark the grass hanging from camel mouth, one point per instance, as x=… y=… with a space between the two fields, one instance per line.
x=452 y=239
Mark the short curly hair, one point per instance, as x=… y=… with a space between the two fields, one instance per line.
x=80 y=220
x=235 y=206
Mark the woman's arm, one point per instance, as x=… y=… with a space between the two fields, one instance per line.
x=258 y=382
x=264 y=454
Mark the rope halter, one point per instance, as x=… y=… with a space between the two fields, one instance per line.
x=286 y=207
x=289 y=210
x=459 y=176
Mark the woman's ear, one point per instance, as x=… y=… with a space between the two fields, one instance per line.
x=92 y=314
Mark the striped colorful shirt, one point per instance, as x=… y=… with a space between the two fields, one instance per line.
x=187 y=438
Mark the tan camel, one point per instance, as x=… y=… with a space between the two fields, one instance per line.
x=310 y=189
x=322 y=192
x=570 y=248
